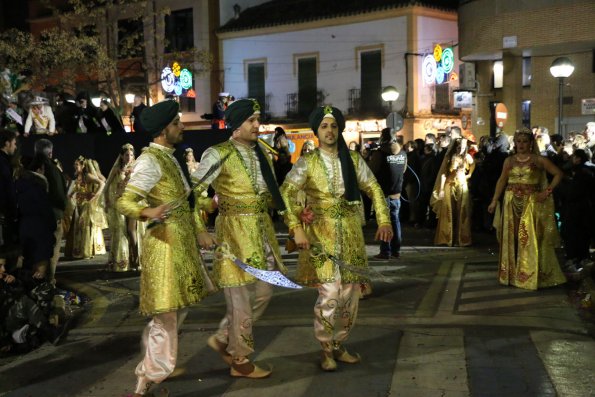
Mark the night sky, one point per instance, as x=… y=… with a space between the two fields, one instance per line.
x=13 y=14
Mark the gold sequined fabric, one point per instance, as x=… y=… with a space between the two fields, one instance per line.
x=527 y=232
x=454 y=210
x=243 y=221
x=170 y=279
x=122 y=242
x=337 y=224
x=86 y=219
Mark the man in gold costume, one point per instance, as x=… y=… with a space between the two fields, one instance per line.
x=333 y=252
x=171 y=279
x=243 y=179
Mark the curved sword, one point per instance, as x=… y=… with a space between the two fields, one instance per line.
x=274 y=277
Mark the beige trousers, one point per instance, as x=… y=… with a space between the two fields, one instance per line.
x=245 y=305
x=160 y=348
x=335 y=310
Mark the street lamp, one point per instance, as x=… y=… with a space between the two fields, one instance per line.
x=390 y=94
x=561 y=67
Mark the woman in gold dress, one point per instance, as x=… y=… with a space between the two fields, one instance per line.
x=450 y=199
x=85 y=236
x=524 y=221
x=191 y=162
x=125 y=232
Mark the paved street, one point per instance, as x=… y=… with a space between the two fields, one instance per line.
x=437 y=324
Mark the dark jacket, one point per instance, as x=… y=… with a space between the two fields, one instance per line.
x=113 y=122
x=37 y=222
x=428 y=173
x=8 y=204
x=388 y=169
x=57 y=189
x=136 y=111
x=66 y=116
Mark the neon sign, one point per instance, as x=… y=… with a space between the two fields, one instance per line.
x=437 y=66
x=429 y=69
x=177 y=80
x=448 y=60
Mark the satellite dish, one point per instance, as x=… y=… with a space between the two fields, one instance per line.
x=394 y=121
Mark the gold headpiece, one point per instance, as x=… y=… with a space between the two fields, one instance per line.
x=328 y=109
x=127 y=146
x=524 y=131
x=255 y=106
x=188 y=150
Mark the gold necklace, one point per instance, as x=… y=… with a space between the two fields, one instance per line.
x=518 y=159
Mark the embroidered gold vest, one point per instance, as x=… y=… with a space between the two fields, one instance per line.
x=243 y=221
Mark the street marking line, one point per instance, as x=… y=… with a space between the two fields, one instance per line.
x=429 y=303
x=431 y=361
x=451 y=289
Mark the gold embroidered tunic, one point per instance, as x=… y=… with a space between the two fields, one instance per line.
x=243 y=221
x=85 y=219
x=454 y=210
x=120 y=259
x=527 y=232
x=171 y=278
x=337 y=223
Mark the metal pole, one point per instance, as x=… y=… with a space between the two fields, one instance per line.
x=560 y=89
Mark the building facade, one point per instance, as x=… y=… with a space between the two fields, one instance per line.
x=148 y=38
x=511 y=46
x=298 y=54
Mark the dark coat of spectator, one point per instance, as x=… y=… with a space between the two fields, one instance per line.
x=110 y=121
x=578 y=208
x=37 y=222
x=66 y=115
x=57 y=186
x=8 y=201
x=88 y=115
x=139 y=106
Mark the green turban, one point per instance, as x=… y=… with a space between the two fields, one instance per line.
x=239 y=111
x=326 y=111
x=155 y=118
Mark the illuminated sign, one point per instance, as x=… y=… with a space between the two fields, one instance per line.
x=448 y=60
x=437 y=66
x=429 y=69
x=437 y=53
x=177 y=80
x=168 y=79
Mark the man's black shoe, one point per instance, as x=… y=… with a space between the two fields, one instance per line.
x=382 y=256
x=57 y=334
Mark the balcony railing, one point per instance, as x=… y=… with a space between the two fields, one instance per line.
x=291 y=105
x=354 y=98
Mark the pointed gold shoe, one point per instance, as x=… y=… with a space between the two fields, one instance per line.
x=327 y=362
x=220 y=348
x=248 y=370
x=177 y=372
x=142 y=386
x=341 y=354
